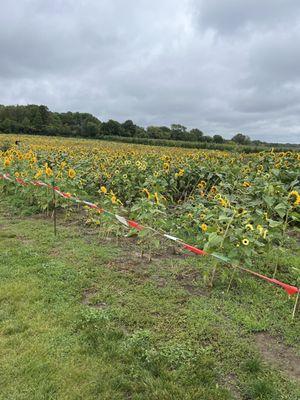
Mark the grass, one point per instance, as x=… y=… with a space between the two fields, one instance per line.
x=85 y=317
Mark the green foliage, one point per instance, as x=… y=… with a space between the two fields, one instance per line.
x=253 y=365
x=38 y=120
x=193 y=144
x=239 y=138
x=6 y=146
x=81 y=318
x=261 y=390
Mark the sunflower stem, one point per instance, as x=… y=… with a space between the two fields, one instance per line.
x=276 y=265
x=231 y=279
x=213 y=274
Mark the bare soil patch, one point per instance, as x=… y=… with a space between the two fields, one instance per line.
x=279 y=355
x=88 y=295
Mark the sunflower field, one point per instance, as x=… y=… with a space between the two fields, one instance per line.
x=241 y=205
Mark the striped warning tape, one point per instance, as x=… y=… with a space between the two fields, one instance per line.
x=290 y=289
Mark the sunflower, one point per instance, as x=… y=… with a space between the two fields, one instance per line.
x=260 y=229
x=38 y=174
x=246 y=184
x=295 y=197
x=103 y=189
x=48 y=171
x=166 y=166
x=241 y=211
x=245 y=242
x=71 y=173
x=223 y=202
x=204 y=227
x=7 y=162
x=147 y=193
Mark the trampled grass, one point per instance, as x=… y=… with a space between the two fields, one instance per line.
x=86 y=317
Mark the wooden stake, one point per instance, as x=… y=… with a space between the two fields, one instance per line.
x=54 y=208
x=295 y=306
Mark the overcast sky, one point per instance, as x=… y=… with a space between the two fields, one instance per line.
x=223 y=66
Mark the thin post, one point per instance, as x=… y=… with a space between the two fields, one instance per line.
x=54 y=208
x=276 y=264
x=213 y=274
x=296 y=303
x=231 y=278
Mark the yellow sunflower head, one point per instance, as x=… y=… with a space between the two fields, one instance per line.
x=204 y=227
x=7 y=162
x=246 y=184
x=71 y=173
x=48 y=171
x=147 y=193
x=295 y=197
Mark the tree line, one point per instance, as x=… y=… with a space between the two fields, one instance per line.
x=39 y=120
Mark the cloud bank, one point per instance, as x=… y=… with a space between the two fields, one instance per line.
x=224 y=67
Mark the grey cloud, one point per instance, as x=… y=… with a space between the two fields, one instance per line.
x=230 y=16
x=221 y=66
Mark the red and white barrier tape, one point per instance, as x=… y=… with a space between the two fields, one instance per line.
x=290 y=289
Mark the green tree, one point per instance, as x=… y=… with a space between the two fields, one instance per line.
x=178 y=132
x=7 y=125
x=154 y=132
x=218 y=139
x=207 y=139
x=91 y=129
x=140 y=132
x=25 y=125
x=112 y=128
x=37 y=121
x=129 y=129
x=44 y=113
x=239 y=138
x=196 y=135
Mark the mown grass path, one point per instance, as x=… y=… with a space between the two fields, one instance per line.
x=84 y=318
